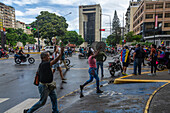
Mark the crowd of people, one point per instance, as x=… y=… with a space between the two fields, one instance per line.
x=137 y=55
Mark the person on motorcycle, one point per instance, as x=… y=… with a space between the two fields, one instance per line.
x=21 y=54
x=125 y=58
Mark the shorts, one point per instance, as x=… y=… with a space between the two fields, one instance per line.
x=55 y=66
x=125 y=64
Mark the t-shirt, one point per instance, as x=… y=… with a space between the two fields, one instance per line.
x=138 y=53
x=100 y=56
x=45 y=72
x=92 y=62
x=55 y=56
x=20 y=52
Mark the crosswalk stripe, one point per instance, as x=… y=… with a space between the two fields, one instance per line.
x=3 y=99
x=23 y=105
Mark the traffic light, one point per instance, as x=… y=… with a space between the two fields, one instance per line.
x=27 y=27
x=124 y=41
x=34 y=29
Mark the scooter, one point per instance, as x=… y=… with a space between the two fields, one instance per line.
x=4 y=54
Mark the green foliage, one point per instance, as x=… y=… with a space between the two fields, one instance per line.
x=111 y=40
x=49 y=25
x=17 y=35
x=130 y=37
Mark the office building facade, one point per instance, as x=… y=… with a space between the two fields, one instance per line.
x=152 y=21
x=90 y=23
x=7 y=14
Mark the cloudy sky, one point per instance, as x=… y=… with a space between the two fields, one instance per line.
x=27 y=10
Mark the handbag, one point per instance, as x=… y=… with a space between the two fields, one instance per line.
x=52 y=85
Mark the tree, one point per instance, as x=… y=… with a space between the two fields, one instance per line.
x=129 y=36
x=111 y=40
x=80 y=40
x=49 y=25
x=116 y=28
x=31 y=39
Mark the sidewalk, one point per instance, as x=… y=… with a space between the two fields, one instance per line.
x=118 y=98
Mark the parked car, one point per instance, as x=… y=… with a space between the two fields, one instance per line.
x=50 y=49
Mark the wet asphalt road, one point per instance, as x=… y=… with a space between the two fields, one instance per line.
x=16 y=81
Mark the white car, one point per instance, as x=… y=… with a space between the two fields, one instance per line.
x=50 y=49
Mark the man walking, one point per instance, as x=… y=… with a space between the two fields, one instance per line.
x=100 y=58
x=46 y=77
x=125 y=58
x=137 y=57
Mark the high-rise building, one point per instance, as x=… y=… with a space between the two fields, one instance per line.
x=90 y=23
x=7 y=14
x=133 y=6
x=152 y=21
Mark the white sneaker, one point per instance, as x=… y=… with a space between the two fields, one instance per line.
x=150 y=74
x=169 y=71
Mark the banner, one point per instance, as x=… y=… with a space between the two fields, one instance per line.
x=156 y=21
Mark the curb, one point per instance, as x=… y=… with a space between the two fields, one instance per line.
x=121 y=80
x=151 y=97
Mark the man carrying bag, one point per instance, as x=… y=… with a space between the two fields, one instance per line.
x=46 y=84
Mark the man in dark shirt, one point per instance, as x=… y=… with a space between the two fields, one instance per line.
x=45 y=77
x=137 y=57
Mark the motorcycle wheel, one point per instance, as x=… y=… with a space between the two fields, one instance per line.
x=112 y=72
x=31 y=60
x=7 y=56
x=160 y=67
x=67 y=62
x=17 y=61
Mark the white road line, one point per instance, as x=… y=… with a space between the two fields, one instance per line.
x=24 y=105
x=3 y=99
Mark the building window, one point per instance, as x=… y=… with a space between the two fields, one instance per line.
x=149 y=6
x=167 y=25
x=149 y=16
x=167 y=5
x=93 y=9
x=159 y=15
x=158 y=6
x=167 y=15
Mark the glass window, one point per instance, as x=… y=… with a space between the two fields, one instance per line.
x=167 y=25
x=149 y=16
x=158 y=6
x=149 y=6
x=159 y=15
x=167 y=5
x=167 y=15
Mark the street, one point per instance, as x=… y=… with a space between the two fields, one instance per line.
x=18 y=92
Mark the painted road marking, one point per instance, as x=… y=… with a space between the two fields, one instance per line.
x=3 y=99
x=23 y=105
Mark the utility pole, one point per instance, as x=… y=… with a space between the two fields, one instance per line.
x=123 y=31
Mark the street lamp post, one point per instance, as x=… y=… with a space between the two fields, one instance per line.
x=67 y=14
x=109 y=23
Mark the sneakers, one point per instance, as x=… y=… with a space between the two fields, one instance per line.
x=134 y=74
x=99 y=91
x=169 y=71
x=25 y=110
x=124 y=74
x=150 y=74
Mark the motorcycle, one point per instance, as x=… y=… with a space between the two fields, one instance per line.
x=67 y=62
x=115 y=66
x=18 y=59
x=4 y=54
x=82 y=55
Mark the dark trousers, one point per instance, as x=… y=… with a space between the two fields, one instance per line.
x=153 y=65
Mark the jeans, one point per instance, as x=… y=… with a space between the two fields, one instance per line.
x=93 y=74
x=101 y=66
x=137 y=64
x=44 y=93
